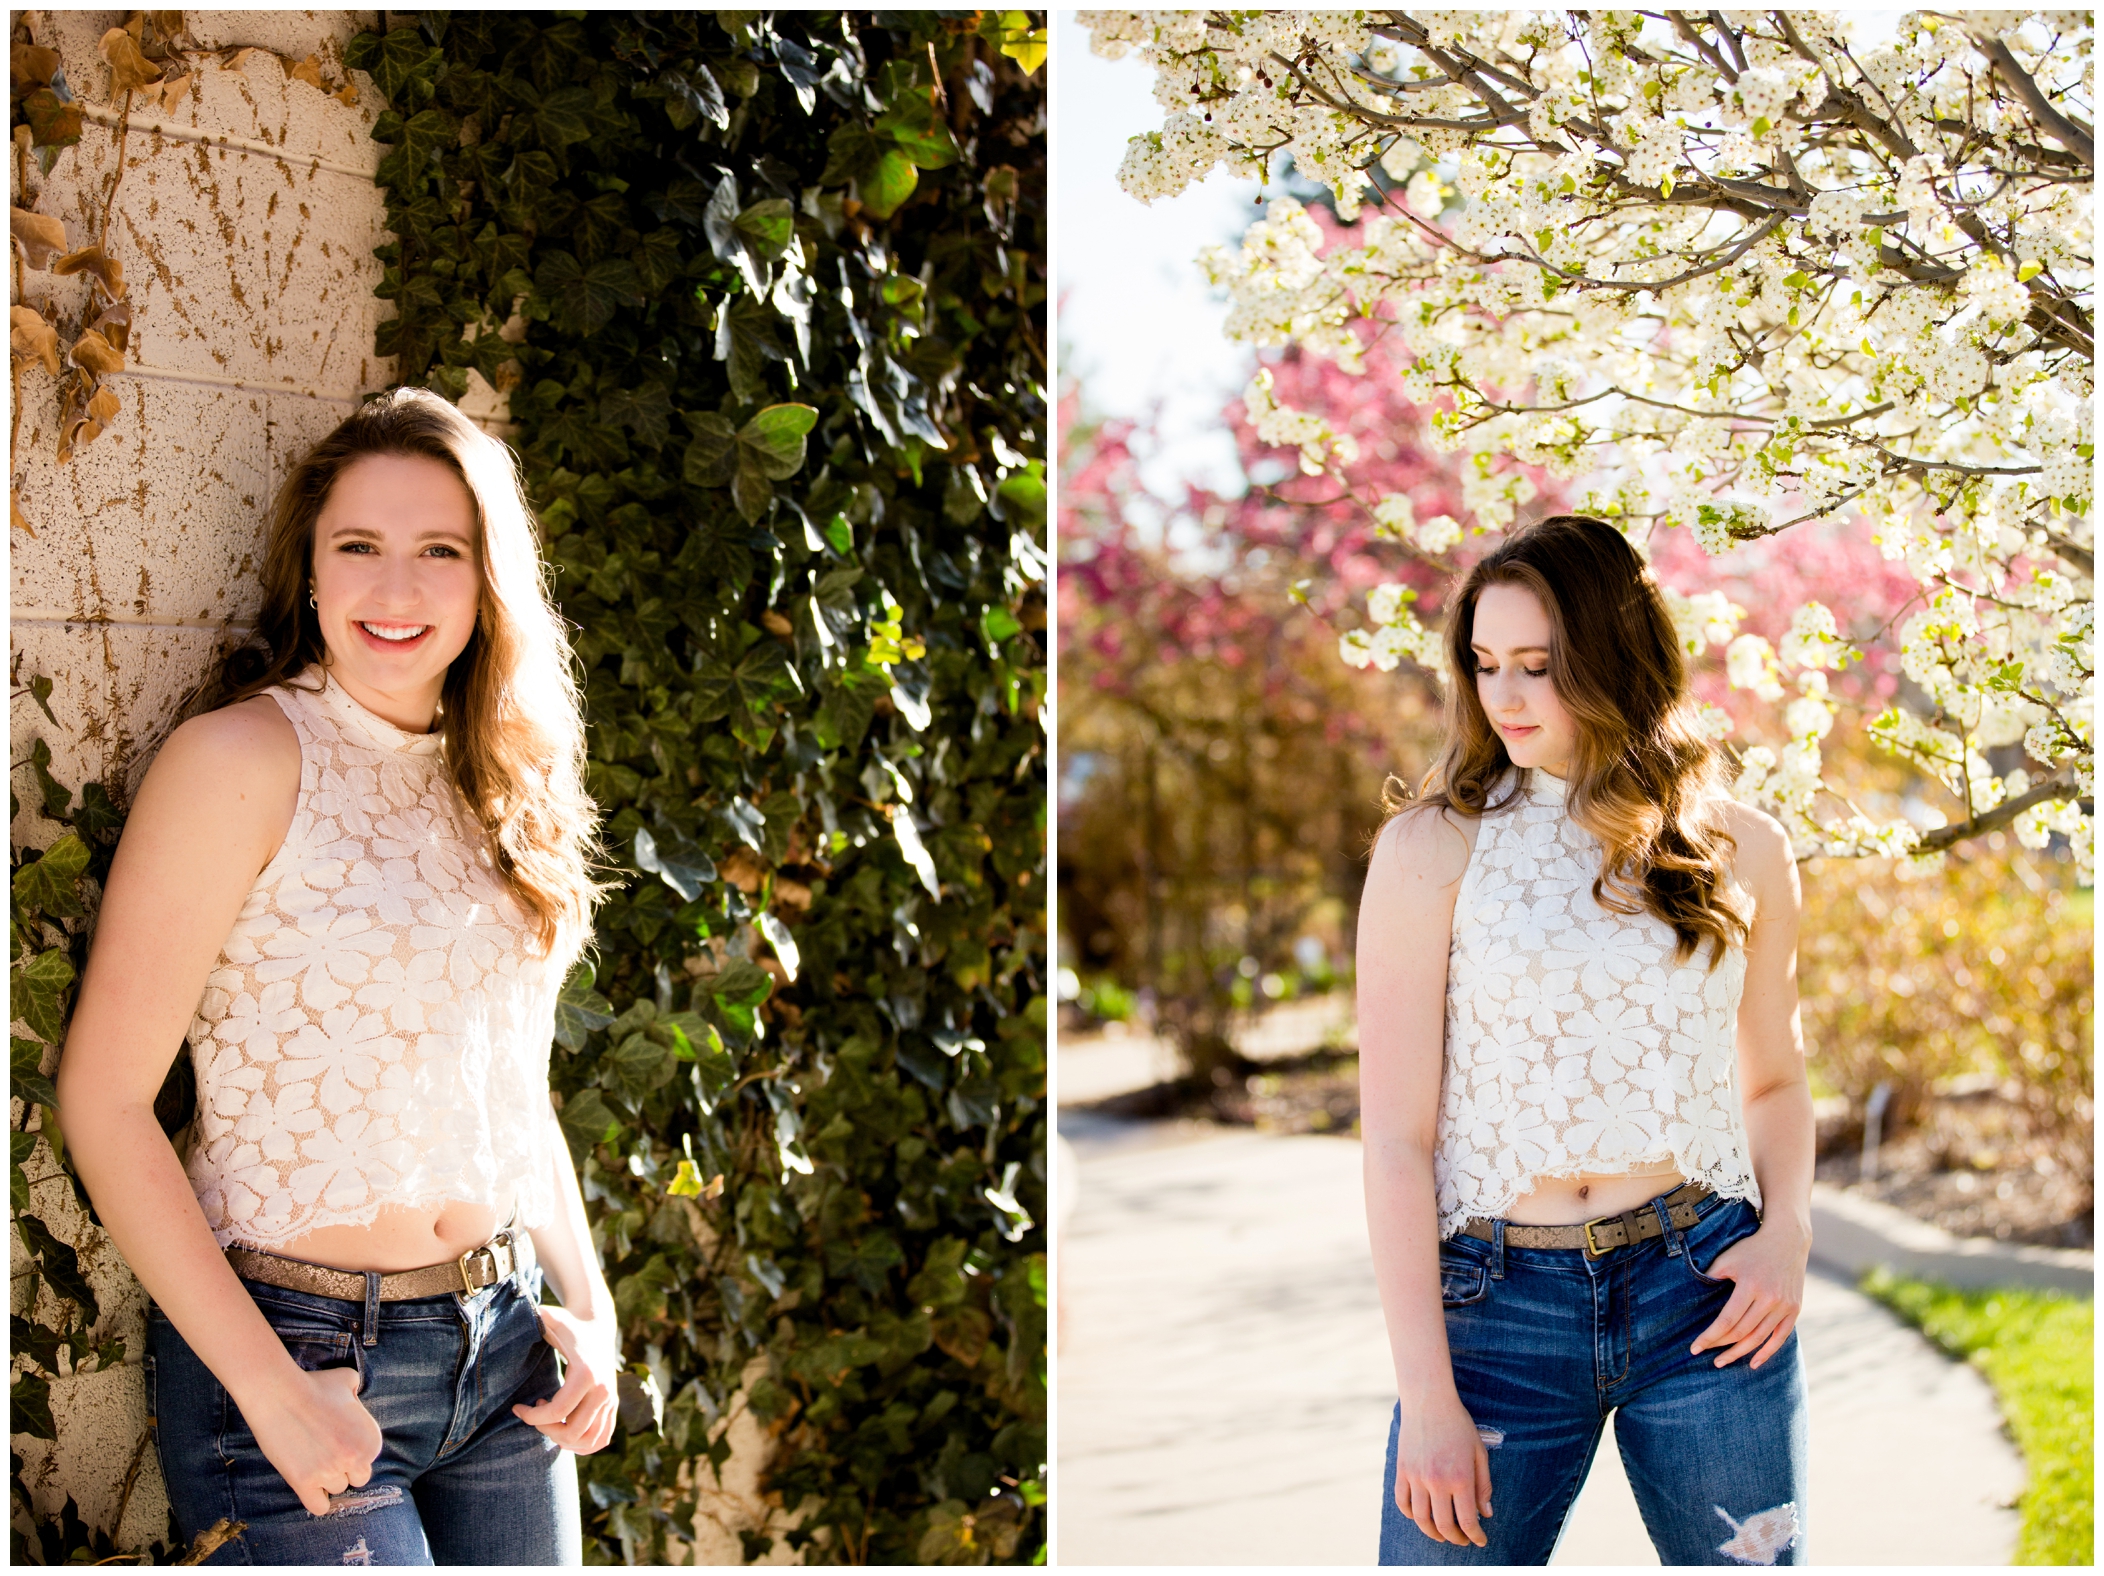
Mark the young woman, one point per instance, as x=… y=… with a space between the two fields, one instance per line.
x=356 y=889
x=1588 y=1131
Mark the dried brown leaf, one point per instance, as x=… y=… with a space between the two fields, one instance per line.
x=72 y=414
x=129 y=70
x=90 y=259
x=241 y=59
x=32 y=66
x=97 y=354
x=104 y=406
x=16 y=517
x=171 y=91
x=115 y=324
x=41 y=237
x=33 y=339
x=307 y=71
x=349 y=96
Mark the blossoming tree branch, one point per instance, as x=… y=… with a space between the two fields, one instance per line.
x=1733 y=271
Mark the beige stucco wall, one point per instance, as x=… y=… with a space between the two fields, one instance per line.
x=245 y=220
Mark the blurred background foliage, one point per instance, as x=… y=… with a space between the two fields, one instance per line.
x=1221 y=774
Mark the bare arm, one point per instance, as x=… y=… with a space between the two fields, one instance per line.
x=585 y=1329
x=1768 y=1268
x=213 y=809
x=1406 y=921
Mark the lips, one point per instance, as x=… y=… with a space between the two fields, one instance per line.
x=1518 y=733
x=393 y=637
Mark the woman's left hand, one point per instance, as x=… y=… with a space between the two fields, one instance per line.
x=1767 y=1275
x=579 y=1416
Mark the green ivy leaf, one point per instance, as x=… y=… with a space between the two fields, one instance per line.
x=61 y=1266
x=587 y=1120
x=29 y=1408
x=51 y=884
x=36 y=994
x=579 y=1009
x=712 y=456
x=584 y=300
x=775 y=439
x=395 y=60
x=766 y=227
x=888 y=184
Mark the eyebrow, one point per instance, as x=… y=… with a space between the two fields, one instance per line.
x=367 y=531
x=1517 y=651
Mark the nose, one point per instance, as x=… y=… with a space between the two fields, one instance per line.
x=396 y=587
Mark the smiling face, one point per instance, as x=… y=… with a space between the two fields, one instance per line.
x=396 y=582
x=1511 y=636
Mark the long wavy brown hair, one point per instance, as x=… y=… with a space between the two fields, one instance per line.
x=1642 y=778
x=509 y=713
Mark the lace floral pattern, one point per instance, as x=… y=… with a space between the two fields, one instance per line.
x=1575 y=1041
x=376 y=1030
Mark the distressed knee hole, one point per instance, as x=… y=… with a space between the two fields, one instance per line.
x=1491 y=1437
x=360 y=1501
x=357 y=1554
x=1762 y=1536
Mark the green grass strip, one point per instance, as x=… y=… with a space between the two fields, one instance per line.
x=2035 y=1348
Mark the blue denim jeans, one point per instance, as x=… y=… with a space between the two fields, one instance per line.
x=459 y=1480
x=1547 y=1343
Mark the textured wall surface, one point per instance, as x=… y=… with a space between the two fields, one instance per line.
x=245 y=219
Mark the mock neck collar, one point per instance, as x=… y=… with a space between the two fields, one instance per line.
x=1541 y=785
x=367 y=725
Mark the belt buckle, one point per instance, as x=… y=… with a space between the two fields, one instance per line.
x=1593 y=1250
x=467 y=1279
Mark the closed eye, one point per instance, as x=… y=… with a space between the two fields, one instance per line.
x=1532 y=673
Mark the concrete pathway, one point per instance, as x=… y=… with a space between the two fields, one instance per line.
x=1224 y=1390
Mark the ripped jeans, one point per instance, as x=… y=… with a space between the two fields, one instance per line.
x=1546 y=1343
x=459 y=1480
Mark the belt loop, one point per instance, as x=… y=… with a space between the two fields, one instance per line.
x=372 y=1307
x=1497 y=1250
x=1667 y=1229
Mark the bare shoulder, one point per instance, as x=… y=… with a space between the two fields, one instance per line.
x=250 y=742
x=1765 y=861
x=1425 y=843
x=229 y=777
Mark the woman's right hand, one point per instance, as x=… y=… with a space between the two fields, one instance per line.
x=317 y=1433
x=1442 y=1471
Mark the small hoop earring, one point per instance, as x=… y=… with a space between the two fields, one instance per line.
x=312 y=603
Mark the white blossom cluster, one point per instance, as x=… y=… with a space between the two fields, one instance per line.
x=1736 y=270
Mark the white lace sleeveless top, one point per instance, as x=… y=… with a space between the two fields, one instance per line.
x=1575 y=1041
x=376 y=1030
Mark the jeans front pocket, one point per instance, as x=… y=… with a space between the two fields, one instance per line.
x=1462 y=1281
x=1705 y=1241
x=314 y=1345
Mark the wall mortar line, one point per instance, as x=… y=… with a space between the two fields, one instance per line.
x=48 y=615
x=139 y=369
x=222 y=139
